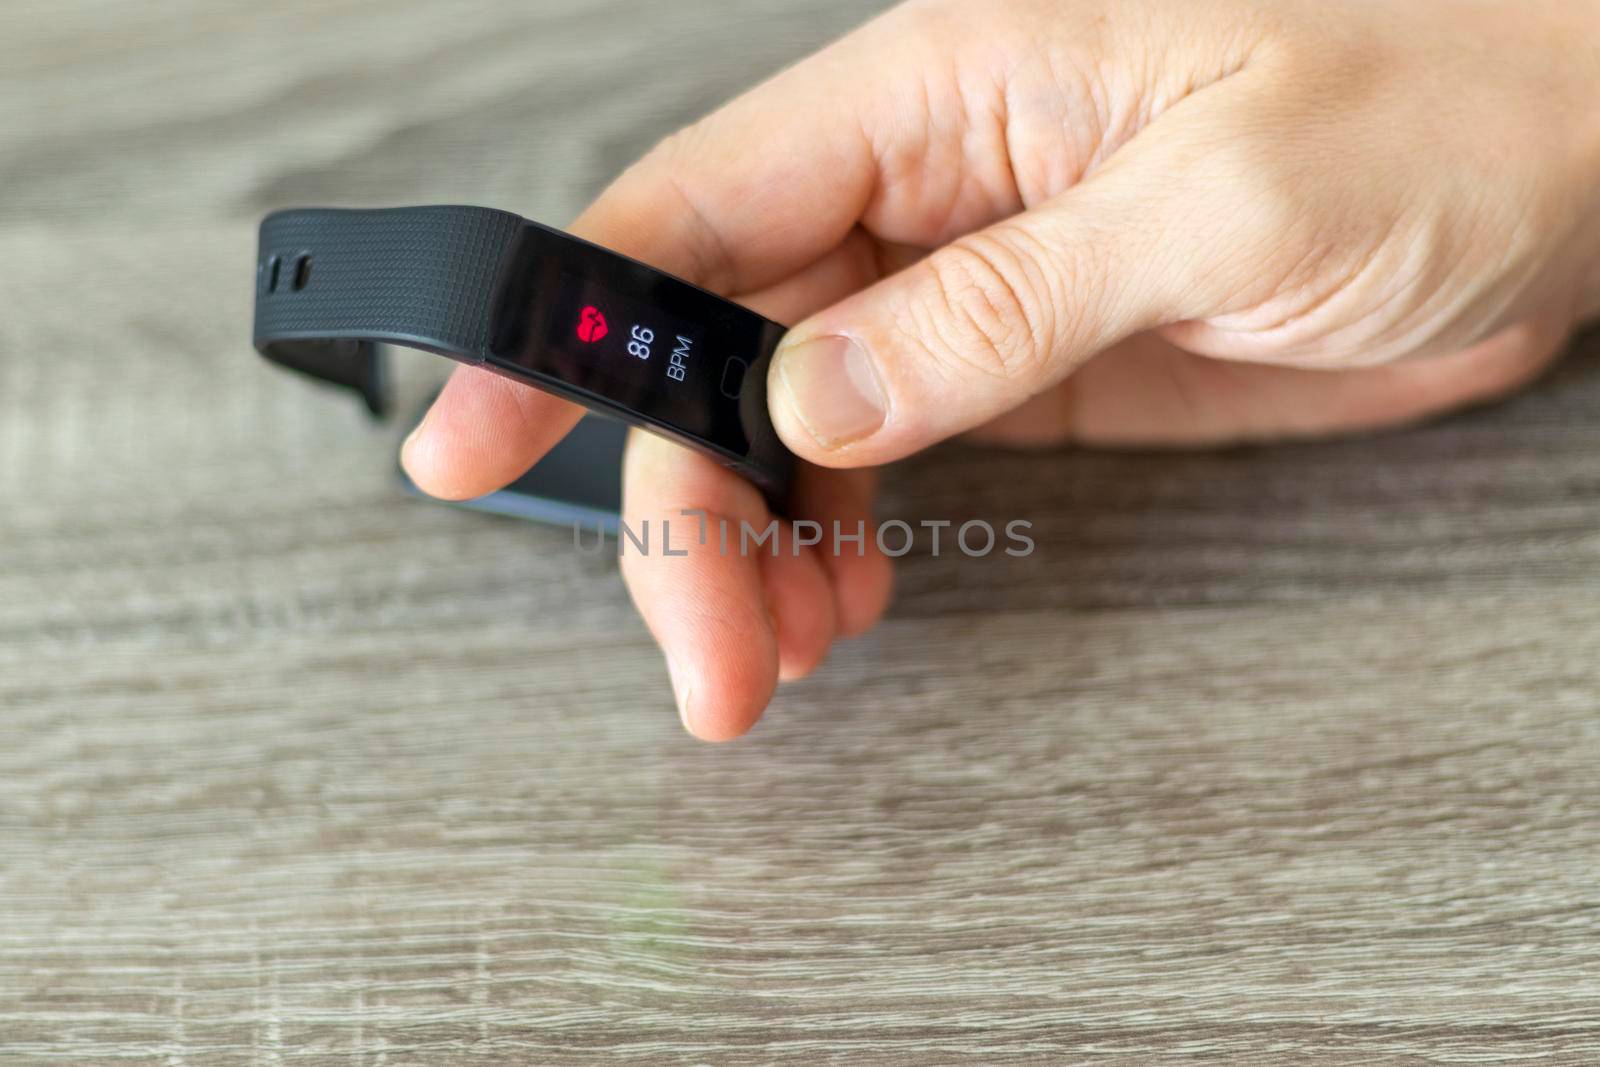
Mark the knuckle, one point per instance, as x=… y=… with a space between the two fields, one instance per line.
x=670 y=169
x=985 y=308
x=666 y=157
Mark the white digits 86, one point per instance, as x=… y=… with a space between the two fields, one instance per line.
x=640 y=345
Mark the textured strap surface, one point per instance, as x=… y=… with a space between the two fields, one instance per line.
x=424 y=272
x=331 y=281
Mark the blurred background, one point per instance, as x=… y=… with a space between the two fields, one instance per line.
x=1264 y=755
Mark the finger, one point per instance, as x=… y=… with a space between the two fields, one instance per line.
x=481 y=433
x=992 y=318
x=1147 y=393
x=860 y=575
x=711 y=205
x=708 y=612
x=729 y=616
x=853 y=264
x=800 y=601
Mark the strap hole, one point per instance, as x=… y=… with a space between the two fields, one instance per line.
x=274 y=265
x=302 y=273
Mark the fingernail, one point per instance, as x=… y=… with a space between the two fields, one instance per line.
x=832 y=389
x=681 y=689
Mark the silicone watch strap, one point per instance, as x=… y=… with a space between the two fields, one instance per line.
x=423 y=277
x=332 y=284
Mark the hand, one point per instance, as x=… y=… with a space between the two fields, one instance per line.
x=1152 y=222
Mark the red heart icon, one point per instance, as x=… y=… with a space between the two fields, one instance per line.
x=591 y=325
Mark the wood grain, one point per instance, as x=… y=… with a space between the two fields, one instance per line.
x=1268 y=756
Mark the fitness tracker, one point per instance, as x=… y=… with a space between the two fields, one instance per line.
x=542 y=307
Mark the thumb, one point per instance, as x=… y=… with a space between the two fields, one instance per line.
x=982 y=324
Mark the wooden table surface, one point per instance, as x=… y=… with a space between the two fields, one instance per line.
x=1284 y=755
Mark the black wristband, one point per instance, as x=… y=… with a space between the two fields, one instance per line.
x=542 y=307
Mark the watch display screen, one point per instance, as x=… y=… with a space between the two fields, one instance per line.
x=653 y=348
